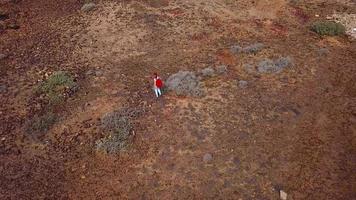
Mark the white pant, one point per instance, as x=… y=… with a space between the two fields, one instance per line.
x=158 y=92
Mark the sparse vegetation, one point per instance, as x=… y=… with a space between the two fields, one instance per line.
x=185 y=83
x=328 y=28
x=56 y=86
x=118 y=126
x=274 y=66
x=250 y=49
x=40 y=124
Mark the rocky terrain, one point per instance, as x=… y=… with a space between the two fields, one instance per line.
x=259 y=103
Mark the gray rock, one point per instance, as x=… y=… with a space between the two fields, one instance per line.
x=221 y=69
x=208 y=72
x=88 y=7
x=2 y=56
x=3 y=88
x=283 y=195
x=207 y=157
x=243 y=84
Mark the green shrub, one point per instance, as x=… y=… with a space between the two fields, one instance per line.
x=56 y=85
x=328 y=28
x=40 y=124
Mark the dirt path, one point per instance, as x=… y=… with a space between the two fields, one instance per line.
x=292 y=131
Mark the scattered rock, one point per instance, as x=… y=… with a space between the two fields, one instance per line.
x=88 y=7
x=283 y=195
x=221 y=69
x=243 y=84
x=184 y=83
x=208 y=72
x=207 y=157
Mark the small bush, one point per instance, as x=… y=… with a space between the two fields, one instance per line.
x=118 y=127
x=328 y=28
x=185 y=83
x=253 y=48
x=56 y=85
x=40 y=124
x=274 y=66
x=250 y=49
x=208 y=72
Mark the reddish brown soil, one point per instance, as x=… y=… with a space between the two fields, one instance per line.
x=293 y=131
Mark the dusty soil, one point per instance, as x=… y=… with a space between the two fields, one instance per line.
x=293 y=131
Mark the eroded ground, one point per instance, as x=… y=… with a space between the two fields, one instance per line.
x=292 y=131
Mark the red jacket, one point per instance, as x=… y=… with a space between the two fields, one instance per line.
x=158 y=82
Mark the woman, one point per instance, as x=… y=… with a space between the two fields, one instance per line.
x=157 y=85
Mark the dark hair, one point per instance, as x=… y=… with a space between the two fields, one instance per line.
x=155 y=74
